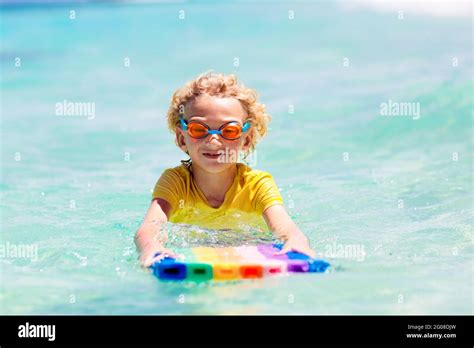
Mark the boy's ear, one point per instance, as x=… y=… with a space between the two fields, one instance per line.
x=180 y=140
x=247 y=141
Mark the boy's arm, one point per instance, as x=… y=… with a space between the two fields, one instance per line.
x=149 y=240
x=280 y=223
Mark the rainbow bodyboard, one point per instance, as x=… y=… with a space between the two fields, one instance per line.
x=233 y=263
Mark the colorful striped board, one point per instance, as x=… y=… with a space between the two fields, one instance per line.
x=232 y=263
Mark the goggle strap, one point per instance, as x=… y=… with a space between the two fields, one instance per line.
x=184 y=125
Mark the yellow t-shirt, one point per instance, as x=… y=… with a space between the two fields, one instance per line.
x=250 y=194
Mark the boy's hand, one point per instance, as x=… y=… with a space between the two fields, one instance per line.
x=299 y=244
x=148 y=258
x=280 y=223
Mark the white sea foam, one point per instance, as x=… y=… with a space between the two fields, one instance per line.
x=420 y=7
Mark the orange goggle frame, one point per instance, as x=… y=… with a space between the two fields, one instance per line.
x=198 y=130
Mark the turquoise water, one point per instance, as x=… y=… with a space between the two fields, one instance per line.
x=394 y=193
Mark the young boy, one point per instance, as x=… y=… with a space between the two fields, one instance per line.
x=215 y=119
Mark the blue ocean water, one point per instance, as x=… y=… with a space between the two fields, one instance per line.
x=387 y=200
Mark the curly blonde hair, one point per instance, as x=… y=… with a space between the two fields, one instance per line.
x=225 y=86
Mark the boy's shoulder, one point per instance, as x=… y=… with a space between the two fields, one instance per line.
x=250 y=174
x=180 y=172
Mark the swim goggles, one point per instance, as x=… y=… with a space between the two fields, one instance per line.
x=198 y=130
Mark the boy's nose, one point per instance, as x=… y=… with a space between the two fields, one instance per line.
x=214 y=139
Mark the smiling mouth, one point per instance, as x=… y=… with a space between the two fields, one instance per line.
x=211 y=155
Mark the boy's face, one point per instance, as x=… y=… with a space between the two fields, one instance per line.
x=213 y=111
